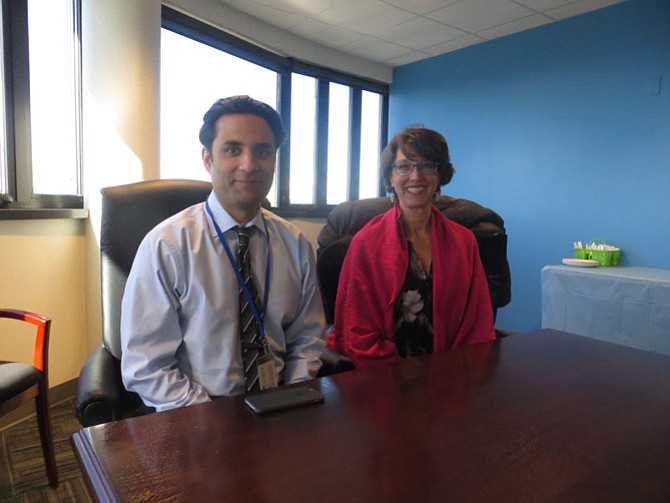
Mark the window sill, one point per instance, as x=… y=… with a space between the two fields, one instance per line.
x=42 y=213
x=302 y=212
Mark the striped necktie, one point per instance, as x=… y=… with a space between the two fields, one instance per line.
x=249 y=333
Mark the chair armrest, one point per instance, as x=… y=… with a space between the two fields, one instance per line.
x=501 y=333
x=493 y=253
x=98 y=393
x=334 y=363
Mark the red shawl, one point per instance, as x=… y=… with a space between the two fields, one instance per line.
x=373 y=274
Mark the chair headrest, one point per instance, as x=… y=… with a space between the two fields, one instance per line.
x=130 y=211
x=346 y=219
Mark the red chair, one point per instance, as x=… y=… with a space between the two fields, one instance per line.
x=20 y=382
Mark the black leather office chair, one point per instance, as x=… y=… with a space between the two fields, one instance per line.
x=128 y=213
x=348 y=218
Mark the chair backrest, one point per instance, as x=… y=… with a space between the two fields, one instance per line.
x=128 y=213
x=348 y=218
x=43 y=324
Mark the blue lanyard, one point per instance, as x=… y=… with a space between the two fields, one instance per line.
x=240 y=279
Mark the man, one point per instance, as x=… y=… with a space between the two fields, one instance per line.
x=182 y=341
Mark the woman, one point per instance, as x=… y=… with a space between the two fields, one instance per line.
x=412 y=282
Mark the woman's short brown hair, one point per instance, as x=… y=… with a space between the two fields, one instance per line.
x=418 y=142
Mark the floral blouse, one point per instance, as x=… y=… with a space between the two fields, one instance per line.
x=413 y=310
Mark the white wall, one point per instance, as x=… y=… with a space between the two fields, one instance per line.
x=42 y=270
x=121 y=114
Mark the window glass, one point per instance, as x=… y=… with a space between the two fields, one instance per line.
x=370 y=147
x=303 y=139
x=53 y=97
x=193 y=77
x=336 y=121
x=338 y=143
x=3 y=132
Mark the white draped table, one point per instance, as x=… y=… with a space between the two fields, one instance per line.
x=625 y=305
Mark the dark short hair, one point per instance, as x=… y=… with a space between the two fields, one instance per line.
x=418 y=142
x=240 y=105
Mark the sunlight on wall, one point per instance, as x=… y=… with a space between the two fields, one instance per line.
x=108 y=159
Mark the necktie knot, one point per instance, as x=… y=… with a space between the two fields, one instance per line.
x=243 y=236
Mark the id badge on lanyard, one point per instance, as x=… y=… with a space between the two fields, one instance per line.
x=265 y=366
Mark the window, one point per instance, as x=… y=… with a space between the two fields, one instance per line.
x=303 y=126
x=184 y=63
x=336 y=122
x=4 y=182
x=40 y=139
x=337 y=176
x=371 y=144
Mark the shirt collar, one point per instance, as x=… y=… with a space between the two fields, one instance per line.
x=225 y=221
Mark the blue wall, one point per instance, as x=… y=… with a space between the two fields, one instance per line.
x=561 y=129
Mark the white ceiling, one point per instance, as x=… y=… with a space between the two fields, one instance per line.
x=396 y=32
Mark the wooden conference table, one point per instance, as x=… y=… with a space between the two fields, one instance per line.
x=543 y=416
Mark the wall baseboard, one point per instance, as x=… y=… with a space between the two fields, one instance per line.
x=56 y=394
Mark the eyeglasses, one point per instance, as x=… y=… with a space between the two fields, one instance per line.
x=404 y=168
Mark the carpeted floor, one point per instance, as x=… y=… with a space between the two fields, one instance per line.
x=23 y=478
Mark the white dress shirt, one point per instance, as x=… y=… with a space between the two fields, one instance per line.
x=179 y=321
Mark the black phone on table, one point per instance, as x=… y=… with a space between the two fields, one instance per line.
x=282 y=398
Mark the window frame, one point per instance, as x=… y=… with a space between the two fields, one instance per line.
x=20 y=202
x=214 y=37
